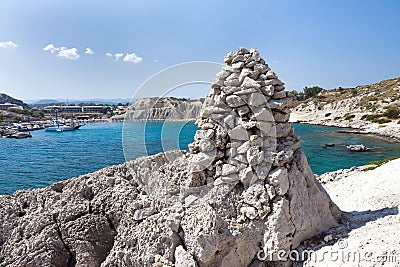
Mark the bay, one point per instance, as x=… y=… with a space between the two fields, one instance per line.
x=49 y=157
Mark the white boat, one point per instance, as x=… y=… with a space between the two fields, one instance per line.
x=358 y=148
x=61 y=127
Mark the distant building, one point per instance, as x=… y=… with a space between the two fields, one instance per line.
x=64 y=109
x=92 y=110
x=6 y=106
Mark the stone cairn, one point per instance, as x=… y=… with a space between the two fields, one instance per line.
x=243 y=120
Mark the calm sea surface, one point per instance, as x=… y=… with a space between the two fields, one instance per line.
x=49 y=157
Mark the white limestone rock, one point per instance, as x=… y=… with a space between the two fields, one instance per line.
x=268 y=90
x=143 y=213
x=239 y=133
x=183 y=258
x=228 y=58
x=204 y=134
x=235 y=101
x=284 y=129
x=279 y=179
x=263 y=114
x=228 y=169
x=255 y=156
x=243 y=74
x=282 y=103
x=280 y=95
x=243 y=110
x=250 y=83
x=256 y=100
x=243 y=147
x=249 y=212
x=206 y=145
x=247 y=176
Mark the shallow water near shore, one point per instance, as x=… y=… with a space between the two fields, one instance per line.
x=49 y=157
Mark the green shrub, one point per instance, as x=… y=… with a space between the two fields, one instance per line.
x=371 y=107
x=312 y=91
x=337 y=118
x=378 y=163
x=349 y=117
x=371 y=117
x=354 y=92
x=392 y=113
x=382 y=121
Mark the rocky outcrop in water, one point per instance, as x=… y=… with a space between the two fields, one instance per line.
x=243 y=192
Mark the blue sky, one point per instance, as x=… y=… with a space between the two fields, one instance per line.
x=325 y=43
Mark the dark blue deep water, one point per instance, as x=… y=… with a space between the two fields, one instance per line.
x=49 y=157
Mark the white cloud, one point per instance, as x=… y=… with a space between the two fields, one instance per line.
x=8 y=44
x=89 y=51
x=64 y=52
x=50 y=47
x=155 y=60
x=133 y=58
x=275 y=62
x=125 y=57
x=117 y=56
x=71 y=53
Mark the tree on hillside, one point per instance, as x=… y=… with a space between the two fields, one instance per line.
x=312 y=91
x=308 y=92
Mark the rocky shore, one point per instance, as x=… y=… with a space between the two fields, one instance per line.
x=389 y=131
x=363 y=108
x=368 y=233
x=243 y=190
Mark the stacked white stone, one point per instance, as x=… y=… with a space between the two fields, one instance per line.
x=243 y=120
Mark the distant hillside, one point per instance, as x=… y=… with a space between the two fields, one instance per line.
x=168 y=108
x=45 y=102
x=8 y=99
x=97 y=101
x=375 y=107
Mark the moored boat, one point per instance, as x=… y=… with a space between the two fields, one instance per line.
x=358 y=148
x=62 y=127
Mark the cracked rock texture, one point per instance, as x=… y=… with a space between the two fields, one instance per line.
x=244 y=187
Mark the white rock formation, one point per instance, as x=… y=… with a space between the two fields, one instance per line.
x=244 y=186
x=163 y=108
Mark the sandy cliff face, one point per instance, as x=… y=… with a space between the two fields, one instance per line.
x=241 y=195
x=167 y=108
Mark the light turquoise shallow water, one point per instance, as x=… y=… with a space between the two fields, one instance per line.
x=49 y=157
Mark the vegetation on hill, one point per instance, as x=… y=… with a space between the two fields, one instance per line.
x=376 y=103
x=378 y=163
x=308 y=92
x=8 y=99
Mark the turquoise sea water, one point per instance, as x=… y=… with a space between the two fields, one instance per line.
x=49 y=157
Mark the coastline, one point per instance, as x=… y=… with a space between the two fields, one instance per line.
x=371 y=130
